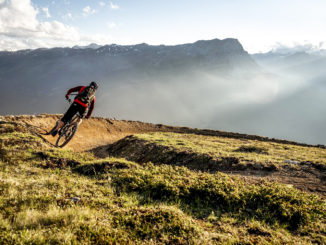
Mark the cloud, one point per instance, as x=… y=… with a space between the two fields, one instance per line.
x=20 y=29
x=46 y=12
x=295 y=47
x=88 y=11
x=102 y=4
x=111 y=25
x=67 y=16
x=114 y=6
x=17 y=16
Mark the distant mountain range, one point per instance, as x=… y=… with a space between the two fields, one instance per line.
x=301 y=113
x=91 y=46
x=227 y=54
x=207 y=84
x=302 y=62
x=34 y=81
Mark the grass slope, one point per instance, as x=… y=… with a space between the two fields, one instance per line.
x=246 y=151
x=55 y=196
x=304 y=167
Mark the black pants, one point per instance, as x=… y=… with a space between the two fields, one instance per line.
x=73 y=109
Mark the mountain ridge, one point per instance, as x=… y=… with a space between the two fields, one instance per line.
x=95 y=46
x=198 y=84
x=30 y=75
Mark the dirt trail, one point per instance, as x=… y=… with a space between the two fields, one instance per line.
x=96 y=132
x=92 y=133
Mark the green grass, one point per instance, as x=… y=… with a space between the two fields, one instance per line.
x=115 y=201
x=246 y=151
x=270 y=203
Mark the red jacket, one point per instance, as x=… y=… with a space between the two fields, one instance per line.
x=90 y=106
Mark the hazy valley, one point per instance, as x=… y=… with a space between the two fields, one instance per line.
x=208 y=84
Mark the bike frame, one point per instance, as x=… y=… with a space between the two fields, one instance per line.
x=77 y=115
x=76 y=118
x=73 y=124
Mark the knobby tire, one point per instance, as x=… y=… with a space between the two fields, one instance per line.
x=74 y=127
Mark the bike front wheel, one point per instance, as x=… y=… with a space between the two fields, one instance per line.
x=66 y=134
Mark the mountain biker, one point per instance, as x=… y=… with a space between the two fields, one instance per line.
x=84 y=103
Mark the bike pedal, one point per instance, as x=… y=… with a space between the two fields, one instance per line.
x=54 y=133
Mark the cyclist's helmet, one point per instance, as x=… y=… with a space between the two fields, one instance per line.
x=93 y=84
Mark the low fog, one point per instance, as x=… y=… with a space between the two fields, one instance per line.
x=281 y=106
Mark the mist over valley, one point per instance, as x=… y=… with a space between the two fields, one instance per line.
x=207 y=84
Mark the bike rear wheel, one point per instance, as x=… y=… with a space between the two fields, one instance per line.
x=66 y=134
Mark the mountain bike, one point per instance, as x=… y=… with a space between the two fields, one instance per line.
x=69 y=129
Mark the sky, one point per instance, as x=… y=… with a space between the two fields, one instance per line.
x=260 y=25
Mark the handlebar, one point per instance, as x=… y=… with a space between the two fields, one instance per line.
x=69 y=100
